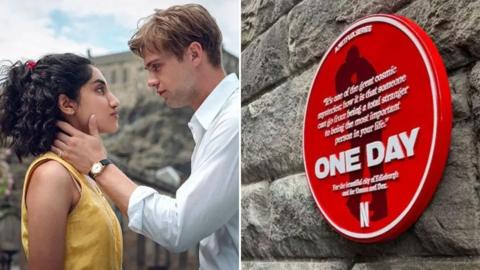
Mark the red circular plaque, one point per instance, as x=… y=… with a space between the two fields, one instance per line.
x=377 y=128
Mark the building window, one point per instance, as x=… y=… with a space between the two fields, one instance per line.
x=113 y=79
x=125 y=75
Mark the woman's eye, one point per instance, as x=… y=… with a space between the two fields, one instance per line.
x=101 y=90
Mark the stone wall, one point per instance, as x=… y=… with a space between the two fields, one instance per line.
x=282 y=44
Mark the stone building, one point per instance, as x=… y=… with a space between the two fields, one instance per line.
x=281 y=227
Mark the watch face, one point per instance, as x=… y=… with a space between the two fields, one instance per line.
x=96 y=168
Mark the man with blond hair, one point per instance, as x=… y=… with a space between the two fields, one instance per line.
x=181 y=50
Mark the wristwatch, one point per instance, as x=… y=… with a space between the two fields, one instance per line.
x=98 y=167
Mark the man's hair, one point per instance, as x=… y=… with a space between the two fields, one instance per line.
x=172 y=30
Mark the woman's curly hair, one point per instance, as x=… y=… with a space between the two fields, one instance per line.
x=29 y=100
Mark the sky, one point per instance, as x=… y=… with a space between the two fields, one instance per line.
x=30 y=29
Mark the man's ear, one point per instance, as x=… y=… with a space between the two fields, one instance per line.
x=67 y=105
x=195 y=53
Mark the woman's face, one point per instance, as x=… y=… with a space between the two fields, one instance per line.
x=95 y=98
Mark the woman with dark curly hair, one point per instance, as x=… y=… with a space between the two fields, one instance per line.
x=66 y=221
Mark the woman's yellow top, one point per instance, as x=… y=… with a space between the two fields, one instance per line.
x=93 y=237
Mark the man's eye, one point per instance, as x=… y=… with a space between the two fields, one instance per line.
x=101 y=90
x=156 y=67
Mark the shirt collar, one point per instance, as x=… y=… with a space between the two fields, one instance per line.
x=215 y=101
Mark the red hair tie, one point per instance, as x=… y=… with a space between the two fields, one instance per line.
x=30 y=64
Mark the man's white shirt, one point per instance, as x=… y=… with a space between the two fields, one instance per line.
x=205 y=207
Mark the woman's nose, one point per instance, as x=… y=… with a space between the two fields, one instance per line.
x=113 y=100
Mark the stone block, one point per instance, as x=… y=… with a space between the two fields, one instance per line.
x=265 y=60
x=258 y=15
x=296 y=265
x=272 y=130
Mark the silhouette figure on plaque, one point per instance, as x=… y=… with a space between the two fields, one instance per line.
x=355 y=70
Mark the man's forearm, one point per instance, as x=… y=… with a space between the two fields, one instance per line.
x=117 y=186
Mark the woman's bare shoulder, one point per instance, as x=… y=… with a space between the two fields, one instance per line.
x=51 y=170
x=50 y=176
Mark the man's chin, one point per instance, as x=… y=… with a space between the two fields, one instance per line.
x=174 y=105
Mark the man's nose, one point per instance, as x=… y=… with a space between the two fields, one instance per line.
x=152 y=82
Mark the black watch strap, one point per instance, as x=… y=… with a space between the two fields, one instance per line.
x=104 y=163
